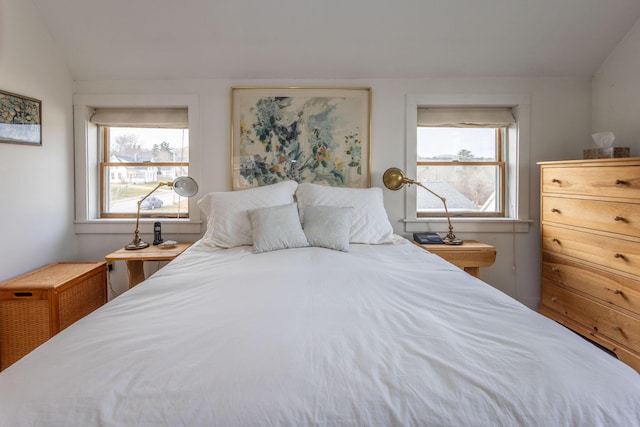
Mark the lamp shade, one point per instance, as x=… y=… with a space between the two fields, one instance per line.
x=394 y=179
x=185 y=186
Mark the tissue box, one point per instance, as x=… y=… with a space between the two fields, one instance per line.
x=606 y=153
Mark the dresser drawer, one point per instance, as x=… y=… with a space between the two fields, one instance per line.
x=608 y=287
x=609 y=181
x=598 y=318
x=614 y=217
x=609 y=252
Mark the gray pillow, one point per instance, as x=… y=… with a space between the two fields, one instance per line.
x=276 y=227
x=328 y=226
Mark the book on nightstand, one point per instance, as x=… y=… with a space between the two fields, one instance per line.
x=427 y=238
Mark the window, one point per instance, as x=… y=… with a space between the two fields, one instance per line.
x=492 y=155
x=140 y=148
x=89 y=154
x=463 y=165
x=460 y=157
x=135 y=160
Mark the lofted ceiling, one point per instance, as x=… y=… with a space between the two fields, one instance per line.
x=335 y=39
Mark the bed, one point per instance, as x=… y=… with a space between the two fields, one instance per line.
x=357 y=327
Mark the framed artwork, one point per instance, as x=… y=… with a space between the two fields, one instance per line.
x=20 y=119
x=307 y=134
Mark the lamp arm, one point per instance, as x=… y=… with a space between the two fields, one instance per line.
x=444 y=202
x=143 y=199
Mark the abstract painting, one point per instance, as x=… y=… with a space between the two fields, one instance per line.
x=314 y=134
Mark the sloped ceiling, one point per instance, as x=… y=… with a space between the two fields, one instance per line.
x=325 y=39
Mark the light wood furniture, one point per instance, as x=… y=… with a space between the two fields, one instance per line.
x=135 y=259
x=469 y=256
x=39 y=304
x=590 y=275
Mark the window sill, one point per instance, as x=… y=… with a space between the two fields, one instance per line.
x=127 y=226
x=468 y=225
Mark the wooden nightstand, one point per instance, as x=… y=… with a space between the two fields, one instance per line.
x=470 y=256
x=135 y=259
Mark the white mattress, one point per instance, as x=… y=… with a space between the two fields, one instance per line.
x=382 y=335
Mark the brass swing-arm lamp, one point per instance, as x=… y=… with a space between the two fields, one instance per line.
x=395 y=179
x=184 y=186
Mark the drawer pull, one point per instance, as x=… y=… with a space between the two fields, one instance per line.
x=619 y=329
x=620 y=219
x=616 y=291
x=620 y=256
x=555 y=210
x=621 y=182
x=555 y=240
x=554 y=299
x=556 y=181
x=555 y=270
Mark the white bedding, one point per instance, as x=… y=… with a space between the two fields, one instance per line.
x=381 y=335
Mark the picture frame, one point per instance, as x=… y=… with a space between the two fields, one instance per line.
x=319 y=135
x=20 y=119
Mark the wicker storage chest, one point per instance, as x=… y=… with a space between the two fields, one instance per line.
x=39 y=304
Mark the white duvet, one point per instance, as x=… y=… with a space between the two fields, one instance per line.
x=383 y=335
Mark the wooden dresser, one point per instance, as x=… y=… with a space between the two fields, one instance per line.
x=590 y=224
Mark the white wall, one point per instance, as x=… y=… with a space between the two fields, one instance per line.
x=616 y=93
x=37 y=227
x=36 y=183
x=560 y=127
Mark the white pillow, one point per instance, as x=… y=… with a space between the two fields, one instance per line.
x=275 y=228
x=228 y=222
x=369 y=221
x=328 y=226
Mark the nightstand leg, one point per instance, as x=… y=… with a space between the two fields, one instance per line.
x=136 y=272
x=474 y=271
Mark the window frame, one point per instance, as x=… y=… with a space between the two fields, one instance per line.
x=87 y=157
x=499 y=162
x=516 y=157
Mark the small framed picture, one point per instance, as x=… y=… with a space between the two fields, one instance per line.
x=307 y=134
x=20 y=119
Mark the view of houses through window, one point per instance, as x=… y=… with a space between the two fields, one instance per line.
x=135 y=161
x=463 y=165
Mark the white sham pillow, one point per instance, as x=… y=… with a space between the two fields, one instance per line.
x=328 y=226
x=227 y=214
x=369 y=221
x=277 y=227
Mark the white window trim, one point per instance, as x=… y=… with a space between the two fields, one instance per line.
x=87 y=157
x=516 y=156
